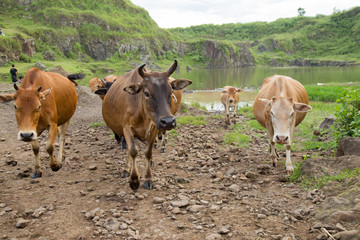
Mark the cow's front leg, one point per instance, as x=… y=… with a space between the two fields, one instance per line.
x=227 y=115
x=36 y=148
x=148 y=154
x=163 y=141
x=273 y=154
x=289 y=166
x=132 y=153
x=62 y=133
x=50 y=148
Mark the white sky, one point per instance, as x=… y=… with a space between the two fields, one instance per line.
x=185 y=13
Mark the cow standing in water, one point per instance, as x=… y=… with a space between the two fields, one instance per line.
x=37 y=110
x=138 y=105
x=281 y=105
x=230 y=98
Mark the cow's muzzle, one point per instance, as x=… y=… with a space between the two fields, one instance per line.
x=27 y=136
x=167 y=123
x=282 y=139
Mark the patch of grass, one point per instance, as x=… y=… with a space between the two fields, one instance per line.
x=98 y=124
x=312 y=182
x=327 y=93
x=239 y=139
x=216 y=116
x=246 y=111
x=191 y=120
x=198 y=106
x=173 y=133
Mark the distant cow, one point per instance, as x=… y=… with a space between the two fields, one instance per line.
x=138 y=105
x=37 y=110
x=281 y=105
x=230 y=98
x=100 y=86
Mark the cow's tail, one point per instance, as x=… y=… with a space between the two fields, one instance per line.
x=76 y=76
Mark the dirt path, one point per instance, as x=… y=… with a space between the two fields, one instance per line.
x=203 y=189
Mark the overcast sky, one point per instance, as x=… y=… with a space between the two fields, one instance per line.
x=185 y=13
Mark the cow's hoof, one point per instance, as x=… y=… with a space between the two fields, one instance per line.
x=155 y=146
x=134 y=185
x=162 y=150
x=152 y=164
x=148 y=184
x=125 y=174
x=56 y=167
x=36 y=174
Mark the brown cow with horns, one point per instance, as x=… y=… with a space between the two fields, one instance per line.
x=281 y=105
x=37 y=110
x=138 y=105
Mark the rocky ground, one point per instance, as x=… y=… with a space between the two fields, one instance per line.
x=203 y=188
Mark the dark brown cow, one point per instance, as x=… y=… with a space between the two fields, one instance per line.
x=138 y=105
x=281 y=105
x=37 y=110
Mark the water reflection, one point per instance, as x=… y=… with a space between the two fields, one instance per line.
x=208 y=83
x=252 y=77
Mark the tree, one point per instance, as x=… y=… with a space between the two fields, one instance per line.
x=301 y=11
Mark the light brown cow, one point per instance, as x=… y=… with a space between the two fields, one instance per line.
x=37 y=110
x=281 y=105
x=230 y=98
x=97 y=83
x=138 y=105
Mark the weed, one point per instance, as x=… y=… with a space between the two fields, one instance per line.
x=97 y=124
x=191 y=120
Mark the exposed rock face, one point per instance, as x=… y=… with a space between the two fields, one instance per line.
x=221 y=56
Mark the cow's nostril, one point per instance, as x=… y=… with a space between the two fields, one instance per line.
x=277 y=138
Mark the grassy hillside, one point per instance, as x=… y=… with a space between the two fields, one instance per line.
x=334 y=37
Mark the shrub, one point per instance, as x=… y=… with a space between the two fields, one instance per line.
x=348 y=115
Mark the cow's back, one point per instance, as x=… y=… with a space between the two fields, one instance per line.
x=63 y=96
x=121 y=104
x=279 y=86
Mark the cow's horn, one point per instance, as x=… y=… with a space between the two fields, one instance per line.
x=16 y=87
x=103 y=81
x=173 y=67
x=140 y=69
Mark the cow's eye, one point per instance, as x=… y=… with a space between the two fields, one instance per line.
x=272 y=114
x=147 y=94
x=16 y=108
x=292 y=114
x=38 y=109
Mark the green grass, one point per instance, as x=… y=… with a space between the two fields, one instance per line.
x=246 y=111
x=216 y=116
x=240 y=140
x=192 y=120
x=327 y=93
x=98 y=124
x=198 y=106
x=312 y=182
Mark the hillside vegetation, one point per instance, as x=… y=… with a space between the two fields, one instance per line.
x=113 y=36
x=334 y=37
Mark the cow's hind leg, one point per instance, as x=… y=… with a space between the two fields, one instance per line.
x=36 y=148
x=289 y=166
x=61 y=156
x=50 y=148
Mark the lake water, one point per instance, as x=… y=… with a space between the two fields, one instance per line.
x=207 y=83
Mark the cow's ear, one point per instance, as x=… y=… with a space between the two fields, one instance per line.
x=224 y=91
x=101 y=91
x=7 y=97
x=179 y=84
x=133 y=89
x=239 y=90
x=266 y=101
x=45 y=93
x=302 y=107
